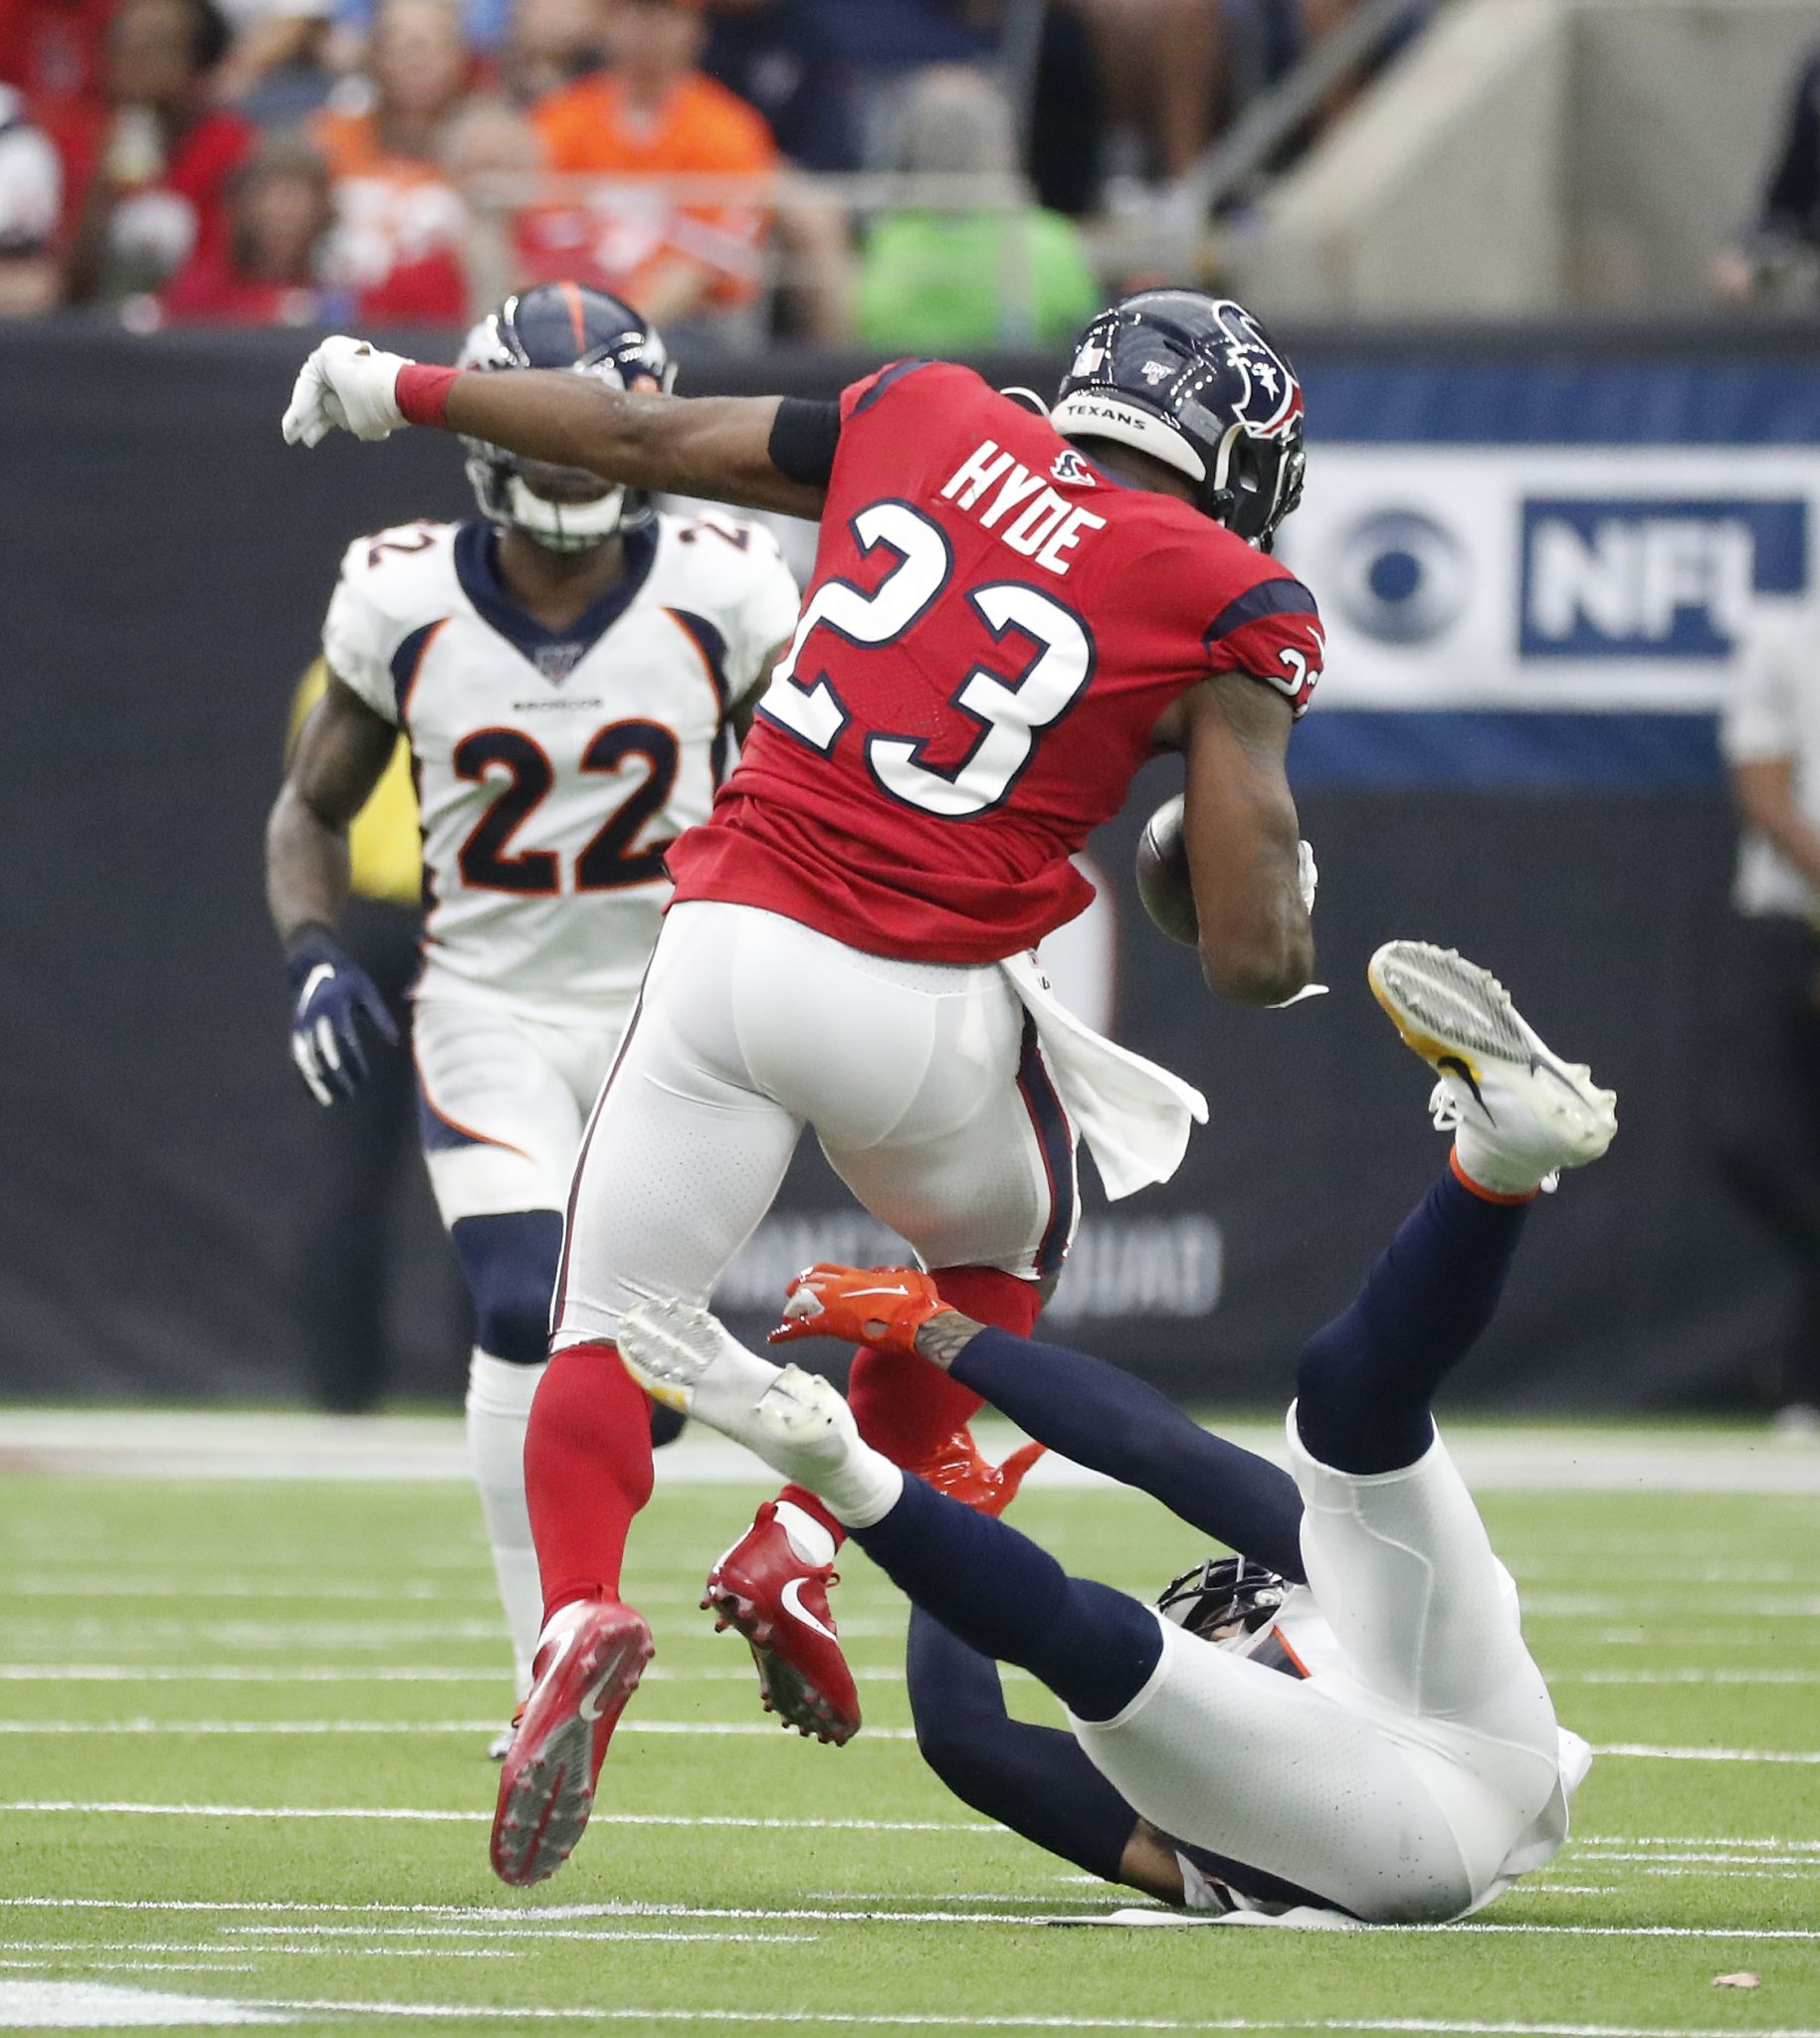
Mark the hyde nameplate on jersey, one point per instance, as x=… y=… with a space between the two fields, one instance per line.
x=554 y=768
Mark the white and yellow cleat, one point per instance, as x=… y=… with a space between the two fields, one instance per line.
x=1518 y=1113
x=684 y=1357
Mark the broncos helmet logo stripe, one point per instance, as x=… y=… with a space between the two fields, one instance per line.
x=563 y=326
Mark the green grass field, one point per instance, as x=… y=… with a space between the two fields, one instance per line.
x=243 y=1760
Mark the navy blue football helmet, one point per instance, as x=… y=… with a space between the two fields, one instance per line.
x=563 y=326
x=1223 y=1598
x=1195 y=382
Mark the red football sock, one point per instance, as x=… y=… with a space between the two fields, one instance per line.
x=905 y=1407
x=587 y=1471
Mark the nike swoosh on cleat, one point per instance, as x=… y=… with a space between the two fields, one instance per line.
x=792 y=1599
x=1451 y=1065
x=589 y=1706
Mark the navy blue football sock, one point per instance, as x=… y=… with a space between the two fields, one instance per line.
x=1366 y=1381
x=1099 y=1417
x=1004 y=1596
x=1035 y=1779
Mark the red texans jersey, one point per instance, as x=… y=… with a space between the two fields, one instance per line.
x=994 y=627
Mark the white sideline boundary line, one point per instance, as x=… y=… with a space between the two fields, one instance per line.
x=199 y=1446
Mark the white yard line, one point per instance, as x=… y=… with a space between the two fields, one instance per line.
x=1791 y=1857
x=96 y=2005
x=196 y=1728
x=526 y=1923
x=1641 y=1751
x=363 y=1674
x=413 y=1815
x=390 y=1635
x=1746 y=1678
x=1033 y=2021
x=186 y=1729
x=1666 y=1604
x=1691 y=1840
x=1541 y=1569
x=140 y=1967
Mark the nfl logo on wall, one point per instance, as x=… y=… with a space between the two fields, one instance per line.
x=1606 y=578
x=1546 y=577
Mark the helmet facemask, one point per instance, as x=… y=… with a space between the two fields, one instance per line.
x=1224 y=1601
x=562 y=509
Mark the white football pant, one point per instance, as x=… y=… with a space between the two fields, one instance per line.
x=507 y=1098
x=1399 y=1788
x=923 y=1082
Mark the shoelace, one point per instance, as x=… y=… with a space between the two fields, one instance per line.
x=1444 y=1110
x=1443 y=1107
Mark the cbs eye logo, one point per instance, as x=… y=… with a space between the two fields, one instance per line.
x=1399 y=576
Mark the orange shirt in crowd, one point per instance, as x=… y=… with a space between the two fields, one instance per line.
x=587 y=128
x=401 y=224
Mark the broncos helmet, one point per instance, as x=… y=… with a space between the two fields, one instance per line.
x=1224 y=1597
x=563 y=326
x=1195 y=382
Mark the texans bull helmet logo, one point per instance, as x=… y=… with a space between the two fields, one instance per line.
x=1194 y=381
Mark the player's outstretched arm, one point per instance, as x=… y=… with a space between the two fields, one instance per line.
x=1242 y=837
x=340 y=754
x=718 y=447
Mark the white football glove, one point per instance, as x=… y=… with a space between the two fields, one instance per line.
x=347 y=385
x=1308 y=875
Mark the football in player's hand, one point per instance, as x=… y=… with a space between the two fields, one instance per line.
x=1162 y=874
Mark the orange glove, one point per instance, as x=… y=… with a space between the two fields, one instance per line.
x=955 y=1466
x=882 y=1307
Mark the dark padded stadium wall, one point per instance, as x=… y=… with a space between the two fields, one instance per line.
x=165 y=564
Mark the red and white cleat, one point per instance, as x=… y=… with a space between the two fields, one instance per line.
x=778 y=1600
x=590 y=1657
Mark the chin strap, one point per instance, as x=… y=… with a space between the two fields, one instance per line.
x=564 y=527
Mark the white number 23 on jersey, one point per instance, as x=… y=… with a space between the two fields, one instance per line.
x=1010 y=709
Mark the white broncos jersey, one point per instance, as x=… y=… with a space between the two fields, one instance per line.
x=553 y=768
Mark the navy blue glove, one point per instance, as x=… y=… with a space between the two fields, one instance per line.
x=330 y=993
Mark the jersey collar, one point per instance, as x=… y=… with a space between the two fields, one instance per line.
x=477 y=568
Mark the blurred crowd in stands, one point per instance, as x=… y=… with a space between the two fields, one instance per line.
x=734 y=168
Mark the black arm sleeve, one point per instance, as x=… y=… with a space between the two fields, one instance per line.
x=804 y=435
